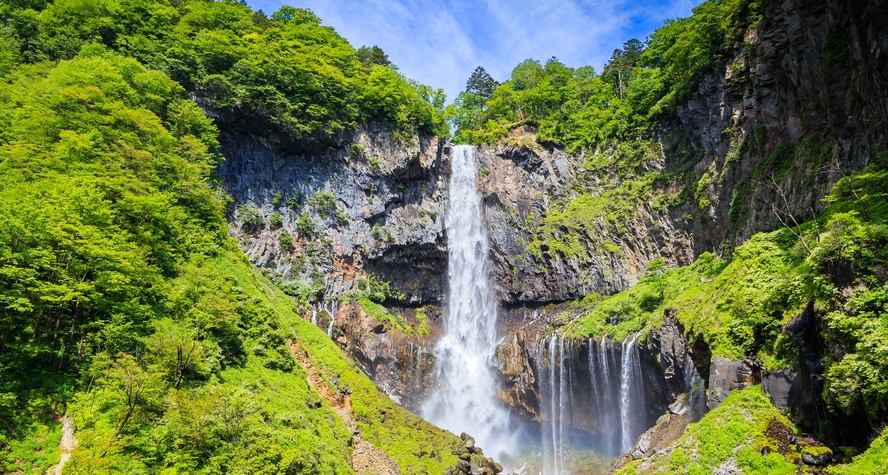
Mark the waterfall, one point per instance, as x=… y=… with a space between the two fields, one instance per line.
x=555 y=386
x=464 y=399
x=330 y=329
x=630 y=372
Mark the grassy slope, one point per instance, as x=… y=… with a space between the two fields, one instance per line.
x=412 y=442
x=735 y=430
x=871 y=462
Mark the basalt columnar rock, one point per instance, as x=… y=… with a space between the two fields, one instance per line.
x=373 y=206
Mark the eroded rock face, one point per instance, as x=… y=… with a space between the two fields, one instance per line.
x=401 y=365
x=779 y=93
x=376 y=204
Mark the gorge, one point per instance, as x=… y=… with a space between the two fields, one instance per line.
x=233 y=243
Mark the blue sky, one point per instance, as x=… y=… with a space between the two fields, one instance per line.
x=440 y=42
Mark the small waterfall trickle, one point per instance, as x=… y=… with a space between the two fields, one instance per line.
x=330 y=328
x=554 y=383
x=615 y=398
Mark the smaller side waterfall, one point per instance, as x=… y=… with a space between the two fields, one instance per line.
x=555 y=389
x=605 y=413
x=630 y=374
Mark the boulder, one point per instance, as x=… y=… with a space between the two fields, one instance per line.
x=726 y=375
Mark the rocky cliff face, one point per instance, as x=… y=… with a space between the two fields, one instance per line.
x=758 y=144
x=375 y=205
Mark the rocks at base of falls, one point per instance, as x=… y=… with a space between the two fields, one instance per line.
x=471 y=459
x=667 y=430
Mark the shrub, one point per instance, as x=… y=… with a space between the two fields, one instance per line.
x=305 y=225
x=324 y=203
x=277 y=199
x=249 y=215
x=285 y=240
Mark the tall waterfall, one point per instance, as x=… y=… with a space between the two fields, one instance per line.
x=465 y=399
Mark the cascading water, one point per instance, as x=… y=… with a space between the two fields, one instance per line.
x=465 y=399
x=616 y=400
x=630 y=372
x=555 y=388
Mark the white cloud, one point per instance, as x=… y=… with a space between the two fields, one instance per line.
x=440 y=42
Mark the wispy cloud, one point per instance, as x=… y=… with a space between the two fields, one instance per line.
x=440 y=42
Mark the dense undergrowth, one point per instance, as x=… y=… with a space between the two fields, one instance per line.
x=125 y=305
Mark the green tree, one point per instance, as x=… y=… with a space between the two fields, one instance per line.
x=481 y=83
x=372 y=55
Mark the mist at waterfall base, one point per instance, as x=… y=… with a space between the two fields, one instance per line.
x=465 y=396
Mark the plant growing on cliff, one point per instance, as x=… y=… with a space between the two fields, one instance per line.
x=250 y=215
x=275 y=219
x=305 y=226
x=324 y=203
x=285 y=240
x=277 y=199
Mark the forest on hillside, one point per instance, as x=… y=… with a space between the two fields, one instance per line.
x=130 y=313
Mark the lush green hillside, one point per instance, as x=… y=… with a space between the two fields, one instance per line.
x=288 y=72
x=125 y=305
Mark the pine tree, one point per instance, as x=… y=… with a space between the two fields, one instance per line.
x=481 y=83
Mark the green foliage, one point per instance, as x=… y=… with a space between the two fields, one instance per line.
x=381 y=314
x=127 y=306
x=422 y=320
x=871 y=462
x=285 y=240
x=305 y=226
x=324 y=203
x=291 y=72
x=250 y=215
x=275 y=219
x=295 y=201
x=372 y=55
x=736 y=429
x=579 y=108
x=277 y=199
x=481 y=83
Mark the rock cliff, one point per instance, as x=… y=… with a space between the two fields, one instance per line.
x=759 y=143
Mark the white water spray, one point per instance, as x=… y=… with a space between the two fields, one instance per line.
x=465 y=399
